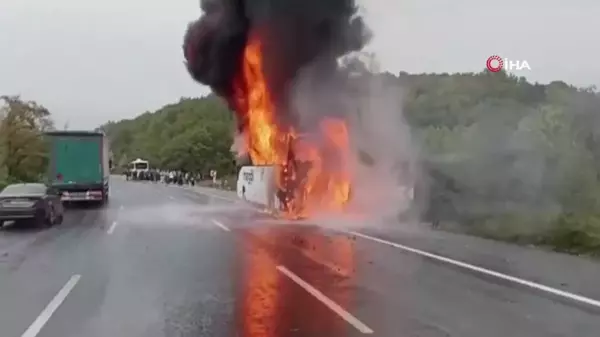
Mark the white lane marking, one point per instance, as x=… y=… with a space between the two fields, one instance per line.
x=530 y=284
x=220 y=225
x=112 y=228
x=122 y=207
x=355 y=322
x=171 y=197
x=40 y=321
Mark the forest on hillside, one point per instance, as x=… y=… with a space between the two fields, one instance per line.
x=507 y=158
x=194 y=135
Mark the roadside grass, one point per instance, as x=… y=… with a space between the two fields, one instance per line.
x=575 y=234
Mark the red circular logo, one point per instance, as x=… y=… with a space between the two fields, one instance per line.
x=494 y=63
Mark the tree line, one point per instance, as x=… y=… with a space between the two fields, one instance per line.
x=193 y=135
x=23 y=150
x=510 y=159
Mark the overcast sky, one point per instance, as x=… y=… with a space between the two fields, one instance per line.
x=94 y=61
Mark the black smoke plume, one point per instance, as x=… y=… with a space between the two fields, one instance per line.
x=294 y=34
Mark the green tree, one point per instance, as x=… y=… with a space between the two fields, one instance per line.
x=24 y=152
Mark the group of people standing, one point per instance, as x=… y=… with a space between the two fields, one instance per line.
x=167 y=177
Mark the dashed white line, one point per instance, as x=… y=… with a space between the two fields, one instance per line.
x=40 y=321
x=112 y=228
x=220 y=225
x=171 y=197
x=464 y=265
x=355 y=322
x=122 y=207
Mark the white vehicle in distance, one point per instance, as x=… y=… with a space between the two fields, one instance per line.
x=138 y=169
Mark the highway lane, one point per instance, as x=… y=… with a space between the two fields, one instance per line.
x=35 y=263
x=166 y=261
x=150 y=264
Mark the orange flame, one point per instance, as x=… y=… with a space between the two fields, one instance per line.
x=325 y=184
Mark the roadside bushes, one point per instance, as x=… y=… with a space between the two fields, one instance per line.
x=576 y=234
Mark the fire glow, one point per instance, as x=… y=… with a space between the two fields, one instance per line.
x=313 y=174
x=254 y=54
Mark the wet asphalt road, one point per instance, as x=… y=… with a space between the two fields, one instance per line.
x=164 y=261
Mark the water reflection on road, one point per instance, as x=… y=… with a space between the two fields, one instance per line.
x=270 y=304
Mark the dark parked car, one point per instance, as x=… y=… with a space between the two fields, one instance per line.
x=33 y=202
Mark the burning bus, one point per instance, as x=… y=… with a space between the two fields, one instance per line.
x=304 y=183
x=255 y=54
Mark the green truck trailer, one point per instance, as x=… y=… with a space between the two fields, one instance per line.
x=79 y=165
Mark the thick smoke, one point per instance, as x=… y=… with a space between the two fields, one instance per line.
x=386 y=164
x=293 y=33
x=213 y=45
x=383 y=161
x=314 y=69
